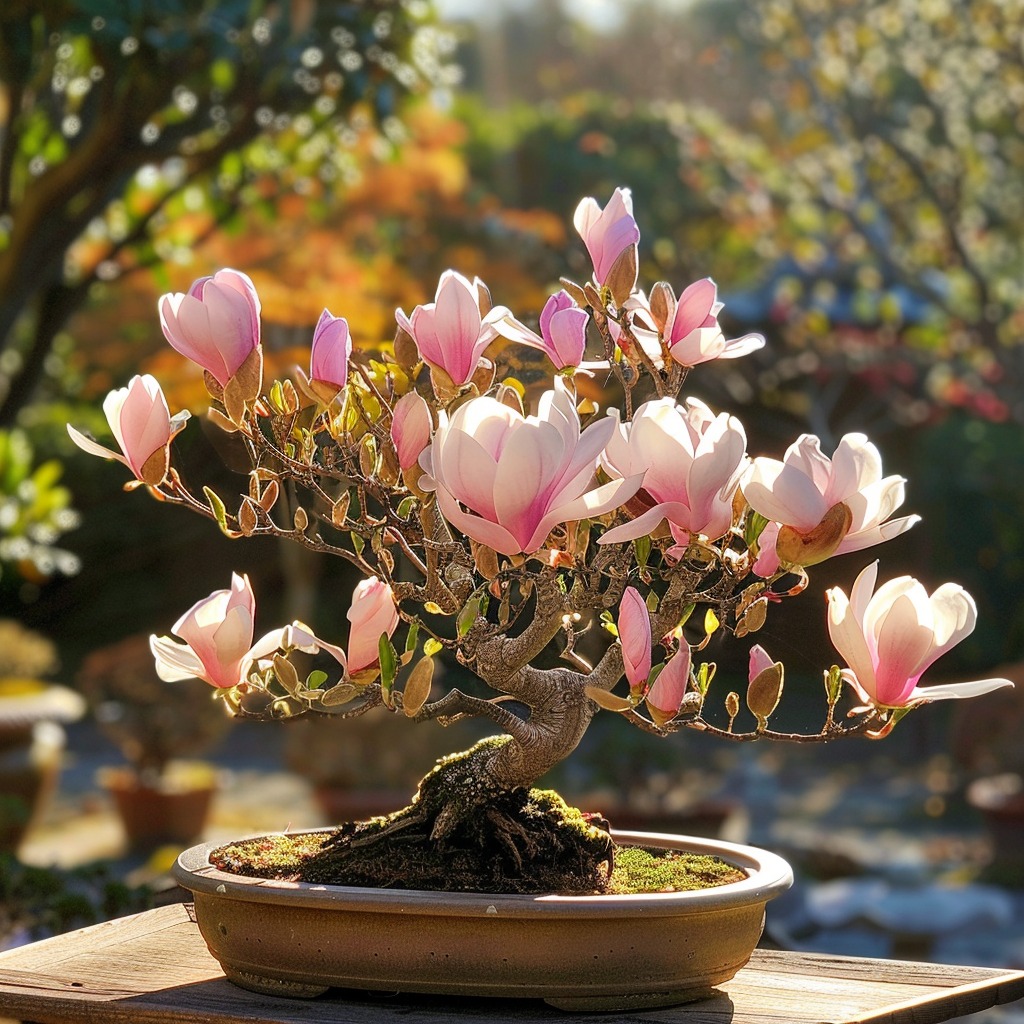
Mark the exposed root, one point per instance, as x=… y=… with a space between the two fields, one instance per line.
x=460 y=834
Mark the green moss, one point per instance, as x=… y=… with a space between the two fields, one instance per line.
x=638 y=869
x=280 y=856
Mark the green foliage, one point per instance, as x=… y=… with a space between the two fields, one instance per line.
x=34 y=511
x=132 y=129
x=597 y=144
x=48 y=901
x=899 y=125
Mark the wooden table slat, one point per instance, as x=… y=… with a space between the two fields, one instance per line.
x=154 y=968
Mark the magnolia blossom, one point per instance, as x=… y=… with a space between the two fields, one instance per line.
x=450 y=333
x=218 y=645
x=691 y=461
x=371 y=614
x=332 y=346
x=142 y=426
x=607 y=232
x=563 y=331
x=665 y=697
x=634 y=627
x=519 y=476
x=410 y=428
x=216 y=324
x=692 y=332
x=889 y=638
x=802 y=490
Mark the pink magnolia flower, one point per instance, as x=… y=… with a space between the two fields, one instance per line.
x=665 y=697
x=801 y=490
x=691 y=461
x=410 y=428
x=634 y=626
x=606 y=232
x=142 y=426
x=692 y=332
x=216 y=324
x=218 y=645
x=890 y=637
x=330 y=351
x=450 y=332
x=563 y=331
x=507 y=480
x=372 y=613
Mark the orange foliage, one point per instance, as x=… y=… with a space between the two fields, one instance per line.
x=372 y=252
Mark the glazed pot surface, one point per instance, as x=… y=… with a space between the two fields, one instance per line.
x=575 y=952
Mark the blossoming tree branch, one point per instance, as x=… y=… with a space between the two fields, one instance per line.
x=491 y=530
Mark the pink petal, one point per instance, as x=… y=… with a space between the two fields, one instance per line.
x=483 y=530
x=693 y=308
x=145 y=422
x=90 y=446
x=634 y=626
x=759 y=660
x=855 y=464
x=669 y=689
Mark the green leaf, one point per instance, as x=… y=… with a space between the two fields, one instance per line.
x=754 y=527
x=642 y=549
x=218 y=510
x=703 y=676
x=405 y=507
x=388 y=666
x=897 y=715
x=315 y=679
x=833 y=684
x=432 y=647
x=469 y=614
x=411 y=637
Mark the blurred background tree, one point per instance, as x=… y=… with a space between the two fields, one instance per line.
x=849 y=172
x=131 y=131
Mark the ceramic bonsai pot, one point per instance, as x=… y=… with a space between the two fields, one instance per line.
x=574 y=952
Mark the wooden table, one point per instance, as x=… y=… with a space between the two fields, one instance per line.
x=154 y=968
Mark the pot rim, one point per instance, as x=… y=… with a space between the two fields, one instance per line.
x=768 y=875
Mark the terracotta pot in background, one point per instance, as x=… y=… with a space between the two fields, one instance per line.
x=340 y=803
x=1000 y=799
x=172 y=809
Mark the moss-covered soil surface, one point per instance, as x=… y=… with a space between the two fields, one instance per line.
x=636 y=869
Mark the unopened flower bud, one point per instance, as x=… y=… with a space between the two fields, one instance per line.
x=764 y=693
x=662 y=303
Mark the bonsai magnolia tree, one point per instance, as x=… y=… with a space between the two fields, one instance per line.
x=497 y=526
